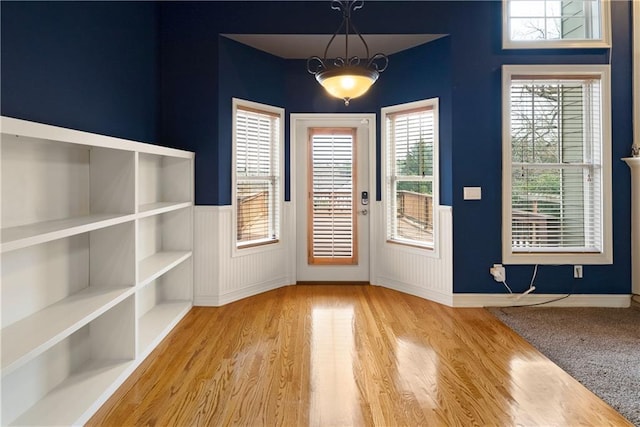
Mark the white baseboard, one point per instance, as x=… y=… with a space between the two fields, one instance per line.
x=236 y=295
x=205 y=301
x=417 y=291
x=505 y=300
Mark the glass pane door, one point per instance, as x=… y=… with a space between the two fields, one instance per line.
x=331 y=200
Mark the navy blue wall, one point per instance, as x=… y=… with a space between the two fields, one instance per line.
x=423 y=72
x=96 y=66
x=189 y=88
x=464 y=72
x=244 y=73
x=190 y=67
x=305 y=95
x=477 y=121
x=83 y=65
x=418 y=73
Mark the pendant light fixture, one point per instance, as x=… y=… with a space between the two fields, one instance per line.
x=347 y=77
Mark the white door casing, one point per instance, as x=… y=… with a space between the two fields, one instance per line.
x=365 y=140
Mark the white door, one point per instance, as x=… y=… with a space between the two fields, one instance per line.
x=330 y=178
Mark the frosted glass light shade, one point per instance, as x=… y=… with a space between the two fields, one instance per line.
x=347 y=82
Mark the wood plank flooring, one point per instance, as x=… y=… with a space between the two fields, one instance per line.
x=331 y=355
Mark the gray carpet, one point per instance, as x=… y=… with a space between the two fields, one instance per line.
x=600 y=347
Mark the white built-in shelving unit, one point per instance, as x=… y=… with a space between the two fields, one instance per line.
x=96 y=265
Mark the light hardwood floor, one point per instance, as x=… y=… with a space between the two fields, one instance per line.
x=331 y=355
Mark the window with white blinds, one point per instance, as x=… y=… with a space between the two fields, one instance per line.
x=411 y=135
x=555 y=145
x=332 y=216
x=555 y=23
x=257 y=142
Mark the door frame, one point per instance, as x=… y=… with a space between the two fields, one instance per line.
x=333 y=120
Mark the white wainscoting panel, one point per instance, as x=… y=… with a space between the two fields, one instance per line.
x=414 y=271
x=205 y=255
x=222 y=276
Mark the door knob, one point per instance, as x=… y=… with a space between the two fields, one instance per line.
x=363 y=212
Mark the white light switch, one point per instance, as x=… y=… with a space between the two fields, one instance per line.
x=472 y=193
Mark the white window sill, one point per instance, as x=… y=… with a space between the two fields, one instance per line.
x=556 y=44
x=519 y=258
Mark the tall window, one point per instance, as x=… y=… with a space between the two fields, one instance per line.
x=556 y=173
x=555 y=23
x=257 y=148
x=411 y=171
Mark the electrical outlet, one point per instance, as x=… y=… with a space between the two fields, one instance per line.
x=577 y=272
x=498 y=273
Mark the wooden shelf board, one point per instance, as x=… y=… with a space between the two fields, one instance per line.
x=151 y=209
x=31 y=336
x=41 y=232
x=159 y=263
x=154 y=325
x=74 y=400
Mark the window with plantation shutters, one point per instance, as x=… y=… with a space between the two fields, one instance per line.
x=332 y=222
x=411 y=135
x=257 y=141
x=555 y=158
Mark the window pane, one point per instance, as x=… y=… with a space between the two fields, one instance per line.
x=551 y=208
x=410 y=162
x=414 y=211
x=553 y=8
x=256 y=142
x=556 y=170
x=528 y=29
x=413 y=136
x=555 y=30
x=555 y=121
x=255 y=134
x=253 y=210
x=527 y=8
x=554 y=20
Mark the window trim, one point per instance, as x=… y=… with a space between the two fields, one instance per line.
x=602 y=43
x=264 y=245
x=410 y=245
x=554 y=258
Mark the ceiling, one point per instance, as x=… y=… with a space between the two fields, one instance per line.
x=302 y=46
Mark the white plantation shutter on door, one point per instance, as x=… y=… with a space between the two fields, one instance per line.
x=257 y=141
x=556 y=164
x=332 y=236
